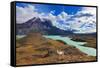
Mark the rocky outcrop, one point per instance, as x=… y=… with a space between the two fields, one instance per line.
x=90 y=39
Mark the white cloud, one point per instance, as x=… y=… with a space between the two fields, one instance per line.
x=85 y=31
x=84 y=21
x=52 y=12
x=25 y=13
x=62 y=16
x=90 y=10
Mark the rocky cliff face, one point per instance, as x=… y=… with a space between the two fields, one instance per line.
x=36 y=25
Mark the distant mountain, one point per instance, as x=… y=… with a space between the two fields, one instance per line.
x=36 y=25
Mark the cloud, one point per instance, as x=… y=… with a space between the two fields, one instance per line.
x=62 y=16
x=23 y=14
x=90 y=10
x=52 y=12
x=84 y=21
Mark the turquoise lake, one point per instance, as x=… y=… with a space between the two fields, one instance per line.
x=88 y=50
x=80 y=45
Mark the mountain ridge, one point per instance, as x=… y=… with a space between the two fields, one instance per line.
x=45 y=27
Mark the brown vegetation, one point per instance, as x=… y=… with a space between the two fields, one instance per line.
x=91 y=40
x=35 y=49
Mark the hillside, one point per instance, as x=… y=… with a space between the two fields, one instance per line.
x=35 y=49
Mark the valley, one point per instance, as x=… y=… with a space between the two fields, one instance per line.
x=37 y=49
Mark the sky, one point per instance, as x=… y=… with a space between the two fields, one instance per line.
x=57 y=8
x=80 y=19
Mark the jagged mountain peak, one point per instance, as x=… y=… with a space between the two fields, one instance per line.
x=44 y=27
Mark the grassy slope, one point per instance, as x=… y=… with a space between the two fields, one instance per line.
x=35 y=49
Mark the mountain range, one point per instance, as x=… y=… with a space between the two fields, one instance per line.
x=36 y=25
x=45 y=27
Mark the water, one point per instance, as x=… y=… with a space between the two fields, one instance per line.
x=20 y=36
x=88 y=50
